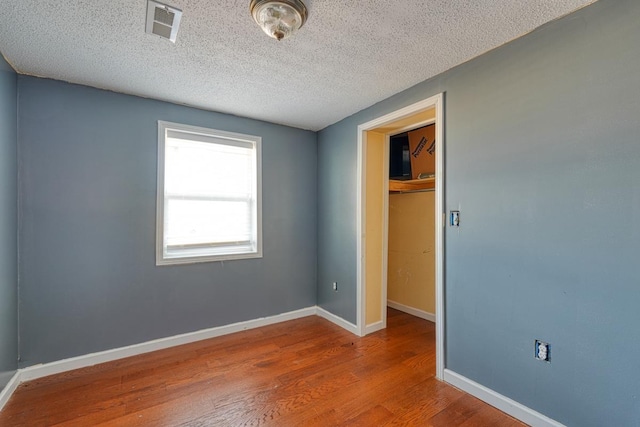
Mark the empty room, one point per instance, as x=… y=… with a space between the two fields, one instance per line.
x=318 y=212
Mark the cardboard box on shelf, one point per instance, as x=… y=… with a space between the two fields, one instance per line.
x=422 y=150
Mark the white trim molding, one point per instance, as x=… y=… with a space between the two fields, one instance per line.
x=65 y=365
x=9 y=388
x=375 y=327
x=191 y=251
x=412 y=311
x=503 y=403
x=337 y=320
x=437 y=102
x=43 y=370
x=361 y=292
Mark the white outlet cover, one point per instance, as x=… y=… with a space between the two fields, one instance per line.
x=542 y=350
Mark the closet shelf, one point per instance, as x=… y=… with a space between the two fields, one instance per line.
x=396 y=186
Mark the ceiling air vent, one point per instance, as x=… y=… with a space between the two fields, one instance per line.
x=163 y=20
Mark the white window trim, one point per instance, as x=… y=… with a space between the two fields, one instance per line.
x=254 y=140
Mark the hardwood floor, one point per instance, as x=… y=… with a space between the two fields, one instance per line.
x=306 y=372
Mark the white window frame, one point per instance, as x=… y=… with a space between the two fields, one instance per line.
x=195 y=256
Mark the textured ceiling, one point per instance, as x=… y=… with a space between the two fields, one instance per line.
x=348 y=56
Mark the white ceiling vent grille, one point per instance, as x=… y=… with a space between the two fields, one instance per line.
x=163 y=20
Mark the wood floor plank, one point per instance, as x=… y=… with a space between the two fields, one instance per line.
x=421 y=402
x=304 y=372
x=375 y=416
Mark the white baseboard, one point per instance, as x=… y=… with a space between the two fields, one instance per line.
x=43 y=370
x=8 y=389
x=374 y=327
x=412 y=311
x=52 y=368
x=497 y=400
x=337 y=320
x=509 y=406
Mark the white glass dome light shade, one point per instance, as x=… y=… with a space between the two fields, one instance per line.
x=279 y=18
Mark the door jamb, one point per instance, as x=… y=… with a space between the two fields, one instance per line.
x=437 y=102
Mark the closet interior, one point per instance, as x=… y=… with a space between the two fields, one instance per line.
x=411 y=233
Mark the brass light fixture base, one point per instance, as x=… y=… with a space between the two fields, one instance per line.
x=279 y=18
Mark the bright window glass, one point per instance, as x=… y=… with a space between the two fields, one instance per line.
x=208 y=195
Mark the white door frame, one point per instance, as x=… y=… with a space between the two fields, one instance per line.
x=437 y=102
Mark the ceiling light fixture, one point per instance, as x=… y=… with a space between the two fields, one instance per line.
x=279 y=18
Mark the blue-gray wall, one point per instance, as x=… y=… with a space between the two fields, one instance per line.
x=543 y=161
x=8 y=224
x=88 y=279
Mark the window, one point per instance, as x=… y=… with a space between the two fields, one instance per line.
x=209 y=204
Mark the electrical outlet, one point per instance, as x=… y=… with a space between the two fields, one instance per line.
x=335 y=286
x=543 y=351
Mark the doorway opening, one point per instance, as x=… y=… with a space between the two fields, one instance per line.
x=373 y=217
x=411 y=278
